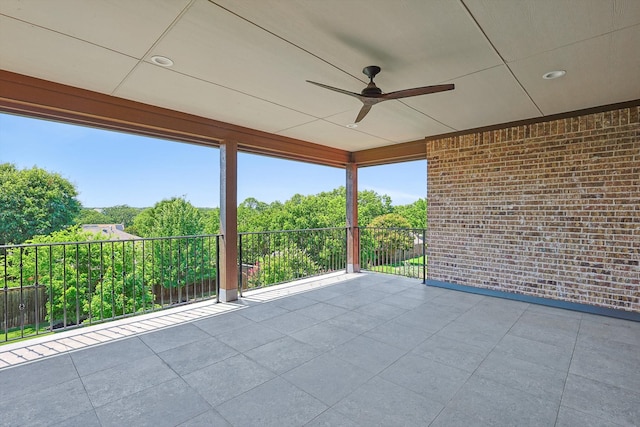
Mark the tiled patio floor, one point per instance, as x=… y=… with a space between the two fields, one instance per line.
x=367 y=350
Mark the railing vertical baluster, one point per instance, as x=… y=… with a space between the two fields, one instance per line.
x=144 y=289
x=133 y=274
x=36 y=299
x=424 y=256
x=21 y=306
x=6 y=296
x=64 y=286
x=240 y=265
x=186 y=280
x=89 y=285
x=51 y=287
x=162 y=273
x=101 y=281
x=124 y=284
x=77 y=284
x=218 y=268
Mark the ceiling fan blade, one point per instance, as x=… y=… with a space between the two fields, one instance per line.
x=335 y=89
x=417 y=91
x=363 y=112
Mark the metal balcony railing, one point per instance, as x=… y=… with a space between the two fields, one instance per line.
x=399 y=251
x=47 y=287
x=57 y=286
x=271 y=257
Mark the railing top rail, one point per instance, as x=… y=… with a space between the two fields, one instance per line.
x=393 y=228
x=97 y=241
x=292 y=231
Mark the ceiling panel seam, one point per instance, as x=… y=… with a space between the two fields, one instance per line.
x=153 y=45
x=308 y=52
x=473 y=18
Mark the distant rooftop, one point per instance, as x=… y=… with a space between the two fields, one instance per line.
x=113 y=231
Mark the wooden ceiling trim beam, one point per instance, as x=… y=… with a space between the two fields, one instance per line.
x=405 y=152
x=416 y=150
x=20 y=94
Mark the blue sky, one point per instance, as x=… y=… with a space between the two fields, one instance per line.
x=111 y=168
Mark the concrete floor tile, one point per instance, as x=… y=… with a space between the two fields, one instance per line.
x=427 y=317
x=211 y=418
x=328 y=378
x=560 y=331
x=290 y=322
x=452 y=353
x=45 y=405
x=322 y=311
x=383 y=311
x=518 y=374
x=355 y=322
x=223 y=323
x=172 y=337
x=398 y=335
x=107 y=355
x=369 y=354
x=568 y=417
x=491 y=403
x=547 y=355
x=602 y=400
x=323 y=336
x=168 y=404
x=333 y=418
x=227 y=379
x=283 y=354
x=197 y=355
x=24 y=380
x=382 y=403
x=85 y=419
x=275 y=403
x=248 y=337
x=261 y=312
x=123 y=380
x=430 y=379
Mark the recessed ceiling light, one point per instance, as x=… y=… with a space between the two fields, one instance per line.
x=163 y=61
x=352 y=125
x=553 y=74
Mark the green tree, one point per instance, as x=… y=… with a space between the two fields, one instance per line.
x=121 y=214
x=34 y=202
x=284 y=265
x=171 y=217
x=384 y=238
x=181 y=260
x=212 y=221
x=91 y=216
x=90 y=278
x=415 y=213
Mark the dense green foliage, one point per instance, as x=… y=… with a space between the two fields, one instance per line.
x=171 y=217
x=415 y=213
x=120 y=214
x=385 y=236
x=91 y=216
x=97 y=279
x=180 y=260
x=284 y=265
x=34 y=202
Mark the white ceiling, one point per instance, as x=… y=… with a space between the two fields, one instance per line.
x=246 y=61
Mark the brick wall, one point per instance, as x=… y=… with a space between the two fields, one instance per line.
x=548 y=209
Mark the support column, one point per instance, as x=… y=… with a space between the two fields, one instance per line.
x=353 y=233
x=228 y=221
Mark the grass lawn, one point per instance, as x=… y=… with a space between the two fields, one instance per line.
x=408 y=268
x=15 y=335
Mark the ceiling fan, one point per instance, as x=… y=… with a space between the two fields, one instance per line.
x=371 y=95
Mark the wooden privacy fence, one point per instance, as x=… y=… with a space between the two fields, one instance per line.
x=26 y=306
